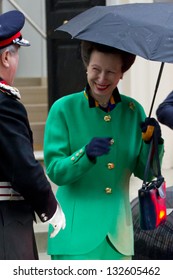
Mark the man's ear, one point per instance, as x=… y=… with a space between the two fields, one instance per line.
x=5 y=58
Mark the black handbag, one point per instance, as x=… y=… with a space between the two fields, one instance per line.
x=152 y=195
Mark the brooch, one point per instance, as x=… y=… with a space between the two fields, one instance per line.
x=132 y=106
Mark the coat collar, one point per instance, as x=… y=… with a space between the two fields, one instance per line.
x=115 y=98
x=9 y=90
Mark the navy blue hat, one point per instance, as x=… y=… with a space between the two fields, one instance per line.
x=11 y=24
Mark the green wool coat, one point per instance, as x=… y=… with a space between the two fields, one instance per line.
x=93 y=196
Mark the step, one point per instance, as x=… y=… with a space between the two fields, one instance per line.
x=37 y=112
x=38 y=134
x=30 y=81
x=44 y=256
x=33 y=94
x=41 y=240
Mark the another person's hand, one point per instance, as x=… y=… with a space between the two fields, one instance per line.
x=58 y=221
x=149 y=127
x=98 y=146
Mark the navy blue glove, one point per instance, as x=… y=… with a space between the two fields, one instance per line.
x=149 y=127
x=98 y=147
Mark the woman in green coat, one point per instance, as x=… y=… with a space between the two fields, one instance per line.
x=92 y=146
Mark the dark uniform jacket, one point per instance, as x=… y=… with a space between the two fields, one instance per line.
x=25 y=175
x=165 y=111
x=17 y=162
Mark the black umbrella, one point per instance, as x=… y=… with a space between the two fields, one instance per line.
x=144 y=29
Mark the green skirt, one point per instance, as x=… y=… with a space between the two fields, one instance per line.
x=105 y=251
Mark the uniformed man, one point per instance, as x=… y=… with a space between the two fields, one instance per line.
x=24 y=188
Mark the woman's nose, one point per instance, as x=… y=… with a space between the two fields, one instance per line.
x=102 y=76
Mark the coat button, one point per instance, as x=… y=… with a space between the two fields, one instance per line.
x=43 y=215
x=112 y=141
x=45 y=218
x=107 y=118
x=108 y=190
x=110 y=165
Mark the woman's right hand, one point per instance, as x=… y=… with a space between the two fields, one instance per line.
x=98 y=146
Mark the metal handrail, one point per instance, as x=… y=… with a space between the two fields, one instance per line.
x=36 y=27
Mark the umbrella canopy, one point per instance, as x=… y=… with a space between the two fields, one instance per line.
x=144 y=29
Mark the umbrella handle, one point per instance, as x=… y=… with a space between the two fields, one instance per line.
x=156 y=88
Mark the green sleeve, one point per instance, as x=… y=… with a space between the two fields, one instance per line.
x=62 y=165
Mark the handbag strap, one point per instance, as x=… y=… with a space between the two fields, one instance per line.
x=153 y=158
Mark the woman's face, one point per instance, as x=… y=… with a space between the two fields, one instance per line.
x=104 y=72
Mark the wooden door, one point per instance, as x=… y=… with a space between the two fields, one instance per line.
x=66 y=72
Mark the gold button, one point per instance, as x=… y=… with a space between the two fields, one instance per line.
x=108 y=190
x=111 y=165
x=107 y=118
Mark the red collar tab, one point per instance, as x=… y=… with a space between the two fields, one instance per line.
x=8 y=41
x=3 y=82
